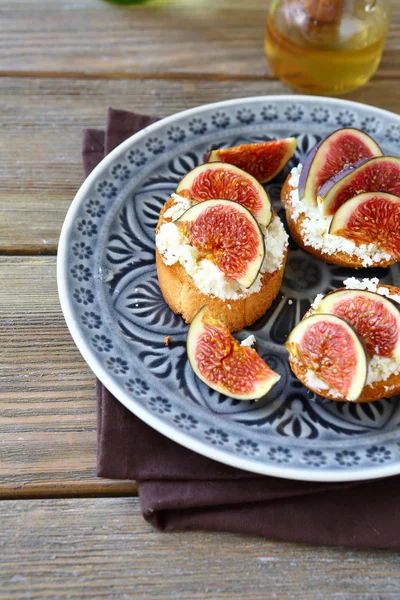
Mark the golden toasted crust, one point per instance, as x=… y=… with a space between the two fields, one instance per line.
x=380 y=389
x=184 y=297
x=339 y=258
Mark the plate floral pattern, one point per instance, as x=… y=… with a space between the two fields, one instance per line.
x=117 y=316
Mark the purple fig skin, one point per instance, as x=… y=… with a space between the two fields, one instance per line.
x=306 y=168
x=206 y=156
x=313 y=156
x=324 y=189
x=369 y=177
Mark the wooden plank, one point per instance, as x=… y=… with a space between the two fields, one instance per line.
x=91 y=36
x=102 y=548
x=40 y=146
x=224 y=37
x=47 y=392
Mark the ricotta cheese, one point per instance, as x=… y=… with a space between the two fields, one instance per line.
x=371 y=285
x=174 y=247
x=318 y=385
x=315 y=229
x=380 y=368
x=249 y=341
x=315 y=382
x=180 y=206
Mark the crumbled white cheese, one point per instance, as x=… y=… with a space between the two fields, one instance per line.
x=315 y=230
x=390 y=388
x=174 y=247
x=371 y=285
x=179 y=206
x=295 y=175
x=249 y=341
x=352 y=283
x=380 y=368
x=317 y=300
x=211 y=280
x=315 y=382
x=276 y=242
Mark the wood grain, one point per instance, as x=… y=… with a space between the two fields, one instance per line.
x=40 y=163
x=47 y=392
x=41 y=147
x=102 y=548
x=62 y=63
x=92 y=37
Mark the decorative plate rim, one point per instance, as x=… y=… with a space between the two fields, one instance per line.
x=185 y=439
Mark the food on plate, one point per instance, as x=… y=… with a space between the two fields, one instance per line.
x=222 y=181
x=327 y=355
x=324 y=220
x=370 y=218
x=347 y=346
x=193 y=263
x=227 y=253
x=223 y=364
x=375 y=318
x=381 y=174
x=227 y=234
x=339 y=150
x=263 y=160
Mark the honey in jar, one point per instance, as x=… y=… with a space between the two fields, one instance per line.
x=327 y=47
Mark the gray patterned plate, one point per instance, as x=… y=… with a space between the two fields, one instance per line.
x=114 y=309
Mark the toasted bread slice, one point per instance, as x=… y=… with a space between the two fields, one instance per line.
x=378 y=390
x=341 y=259
x=184 y=297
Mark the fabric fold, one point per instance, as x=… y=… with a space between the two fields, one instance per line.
x=182 y=490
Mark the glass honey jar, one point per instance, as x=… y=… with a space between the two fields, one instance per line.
x=327 y=47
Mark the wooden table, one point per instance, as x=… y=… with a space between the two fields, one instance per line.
x=63 y=532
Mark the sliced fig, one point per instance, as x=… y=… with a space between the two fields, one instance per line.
x=323 y=190
x=340 y=149
x=223 y=364
x=262 y=160
x=330 y=350
x=381 y=174
x=220 y=180
x=373 y=217
x=226 y=233
x=375 y=318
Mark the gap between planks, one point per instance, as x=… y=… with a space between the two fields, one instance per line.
x=74 y=489
x=380 y=75
x=128 y=76
x=31 y=250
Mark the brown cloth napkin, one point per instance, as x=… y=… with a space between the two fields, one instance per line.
x=180 y=489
